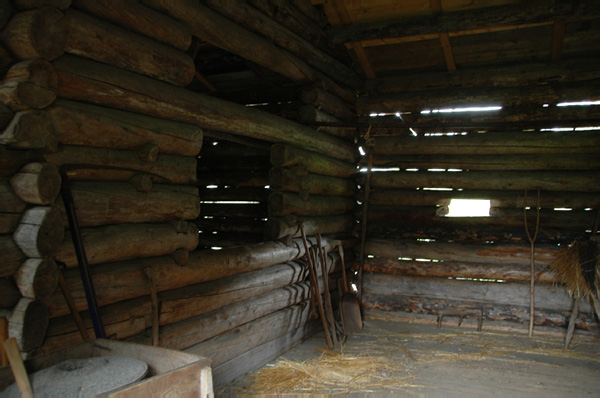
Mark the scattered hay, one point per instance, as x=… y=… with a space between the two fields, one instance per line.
x=572 y=268
x=340 y=373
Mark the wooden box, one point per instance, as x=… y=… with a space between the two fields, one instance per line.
x=170 y=373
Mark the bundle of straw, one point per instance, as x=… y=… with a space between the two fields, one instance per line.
x=576 y=268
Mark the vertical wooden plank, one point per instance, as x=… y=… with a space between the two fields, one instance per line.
x=363 y=58
x=3 y=337
x=340 y=11
x=448 y=54
x=557 y=38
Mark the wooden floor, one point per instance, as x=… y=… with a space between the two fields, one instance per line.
x=411 y=357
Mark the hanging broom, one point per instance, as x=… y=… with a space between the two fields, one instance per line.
x=576 y=267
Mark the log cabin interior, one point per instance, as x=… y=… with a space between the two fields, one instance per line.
x=182 y=174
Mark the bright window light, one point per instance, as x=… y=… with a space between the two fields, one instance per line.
x=469 y=208
x=558 y=129
x=579 y=103
x=466 y=109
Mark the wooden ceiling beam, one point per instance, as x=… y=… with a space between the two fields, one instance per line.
x=539 y=73
x=465 y=22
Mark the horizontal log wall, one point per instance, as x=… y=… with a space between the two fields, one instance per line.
x=419 y=260
x=234 y=191
x=99 y=94
x=309 y=189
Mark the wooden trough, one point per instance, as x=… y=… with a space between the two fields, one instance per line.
x=170 y=373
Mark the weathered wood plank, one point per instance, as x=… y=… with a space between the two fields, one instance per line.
x=101 y=203
x=229 y=345
x=289 y=156
x=459 y=270
x=487 y=294
x=138 y=18
x=126 y=279
x=328 y=103
x=539 y=73
x=279 y=227
x=466 y=21
x=491 y=144
x=284 y=204
x=128 y=241
x=106 y=85
x=96 y=39
x=280 y=34
x=554 y=161
x=582 y=181
x=294 y=180
x=463 y=230
x=83 y=163
x=77 y=123
x=501 y=254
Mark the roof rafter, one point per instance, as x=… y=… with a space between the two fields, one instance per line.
x=476 y=21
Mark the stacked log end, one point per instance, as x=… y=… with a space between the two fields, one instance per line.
x=311 y=189
x=132 y=176
x=32 y=229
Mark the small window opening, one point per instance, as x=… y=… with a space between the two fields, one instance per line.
x=469 y=208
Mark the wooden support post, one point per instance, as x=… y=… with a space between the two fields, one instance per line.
x=151 y=275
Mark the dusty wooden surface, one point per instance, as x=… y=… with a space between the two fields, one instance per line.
x=451 y=362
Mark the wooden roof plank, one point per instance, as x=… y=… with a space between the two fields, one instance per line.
x=470 y=21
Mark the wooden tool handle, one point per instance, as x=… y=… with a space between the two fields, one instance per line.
x=18 y=369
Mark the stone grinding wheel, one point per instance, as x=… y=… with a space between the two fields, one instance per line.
x=83 y=377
